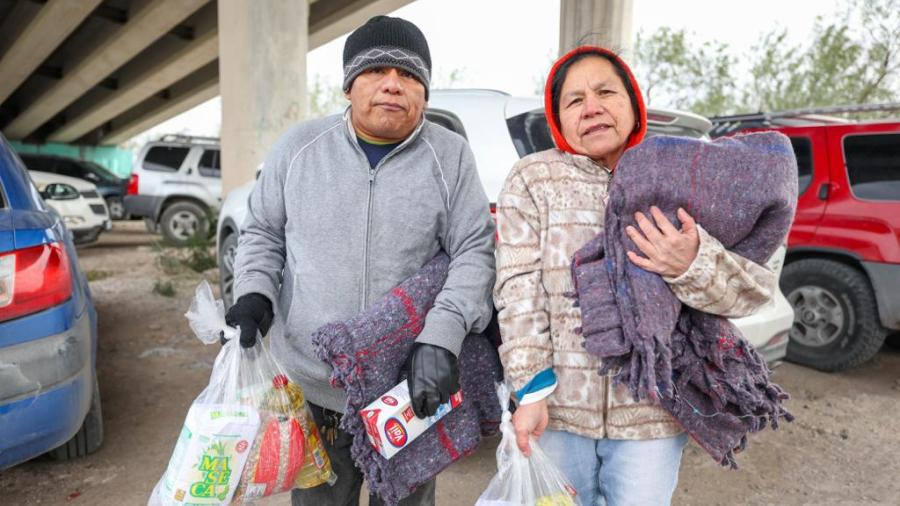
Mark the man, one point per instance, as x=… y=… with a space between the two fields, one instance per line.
x=345 y=209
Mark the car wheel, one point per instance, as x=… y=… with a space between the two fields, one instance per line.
x=116 y=208
x=89 y=437
x=836 y=322
x=182 y=221
x=227 y=251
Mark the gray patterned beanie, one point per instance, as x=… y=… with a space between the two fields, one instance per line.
x=387 y=42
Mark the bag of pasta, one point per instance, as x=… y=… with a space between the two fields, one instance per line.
x=521 y=480
x=249 y=434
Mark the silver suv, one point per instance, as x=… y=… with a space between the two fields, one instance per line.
x=176 y=186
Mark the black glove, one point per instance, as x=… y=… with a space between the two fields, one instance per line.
x=252 y=312
x=432 y=377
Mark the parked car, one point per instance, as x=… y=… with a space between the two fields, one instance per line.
x=501 y=129
x=49 y=396
x=175 y=186
x=842 y=270
x=82 y=209
x=108 y=185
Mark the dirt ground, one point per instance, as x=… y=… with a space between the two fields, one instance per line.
x=842 y=450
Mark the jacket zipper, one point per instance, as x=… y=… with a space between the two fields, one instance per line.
x=365 y=279
x=365 y=288
x=605 y=387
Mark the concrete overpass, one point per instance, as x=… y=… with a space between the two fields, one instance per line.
x=100 y=71
x=96 y=72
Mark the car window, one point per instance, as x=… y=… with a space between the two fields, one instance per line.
x=447 y=120
x=164 y=158
x=529 y=132
x=38 y=163
x=102 y=172
x=873 y=165
x=210 y=165
x=803 y=151
x=66 y=168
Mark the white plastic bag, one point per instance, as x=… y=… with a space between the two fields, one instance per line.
x=249 y=434
x=521 y=480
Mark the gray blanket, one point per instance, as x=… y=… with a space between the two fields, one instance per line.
x=743 y=191
x=367 y=353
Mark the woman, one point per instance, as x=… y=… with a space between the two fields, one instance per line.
x=552 y=203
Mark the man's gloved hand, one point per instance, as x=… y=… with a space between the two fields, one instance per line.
x=251 y=312
x=433 y=376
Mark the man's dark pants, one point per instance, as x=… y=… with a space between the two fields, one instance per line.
x=345 y=492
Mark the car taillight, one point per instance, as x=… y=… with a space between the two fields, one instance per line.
x=33 y=279
x=133 y=185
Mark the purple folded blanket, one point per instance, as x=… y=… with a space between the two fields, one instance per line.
x=367 y=353
x=743 y=191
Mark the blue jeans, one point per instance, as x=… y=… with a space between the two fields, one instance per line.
x=621 y=472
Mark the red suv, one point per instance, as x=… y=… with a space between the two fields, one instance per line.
x=842 y=270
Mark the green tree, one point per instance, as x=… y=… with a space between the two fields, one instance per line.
x=323 y=97
x=441 y=80
x=675 y=71
x=852 y=58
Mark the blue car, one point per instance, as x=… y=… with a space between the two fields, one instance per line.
x=49 y=399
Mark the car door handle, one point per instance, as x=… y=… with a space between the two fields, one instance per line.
x=824 y=191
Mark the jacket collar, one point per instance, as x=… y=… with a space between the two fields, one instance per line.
x=351 y=132
x=586 y=164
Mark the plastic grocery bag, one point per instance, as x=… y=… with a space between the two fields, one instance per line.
x=249 y=434
x=521 y=480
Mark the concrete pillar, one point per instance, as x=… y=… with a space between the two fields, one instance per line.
x=604 y=23
x=262 y=79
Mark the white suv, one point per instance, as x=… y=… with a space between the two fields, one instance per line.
x=176 y=185
x=501 y=129
x=77 y=202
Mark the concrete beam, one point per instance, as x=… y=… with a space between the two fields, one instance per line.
x=148 y=80
x=606 y=23
x=53 y=23
x=332 y=19
x=190 y=92
x=17 y=18
x=154 y=19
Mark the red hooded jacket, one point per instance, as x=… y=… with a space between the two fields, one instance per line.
x=553 y=118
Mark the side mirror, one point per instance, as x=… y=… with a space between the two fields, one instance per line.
x=59 y=191
x=93 y=177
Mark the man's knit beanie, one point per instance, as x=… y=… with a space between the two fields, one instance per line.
x=387 y=42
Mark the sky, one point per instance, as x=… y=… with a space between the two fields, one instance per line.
x=523 y=39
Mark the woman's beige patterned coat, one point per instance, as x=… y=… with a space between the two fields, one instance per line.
x=551 y=204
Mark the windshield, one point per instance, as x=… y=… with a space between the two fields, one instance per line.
x=103 y=172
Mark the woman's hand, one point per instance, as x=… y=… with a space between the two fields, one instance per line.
x=530 y=420
x=669 y=251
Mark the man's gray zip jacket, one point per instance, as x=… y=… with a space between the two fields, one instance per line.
x=326 y=235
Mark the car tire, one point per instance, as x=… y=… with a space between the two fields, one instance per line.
x=116 y=208
x=89 y=437
x=836 y=322
x=85 y=238
x=227 y=249
x=183 y=221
